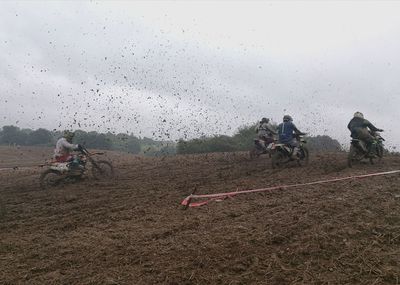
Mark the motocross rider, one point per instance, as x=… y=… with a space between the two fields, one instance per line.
x=265 y=131
x=361 y=129
x=64 y=147
x=286 y=130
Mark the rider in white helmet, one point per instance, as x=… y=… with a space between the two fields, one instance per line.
x=361 y=129
x=64 y=147
x=265 y=131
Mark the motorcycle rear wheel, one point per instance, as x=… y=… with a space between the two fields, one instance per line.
x=49 y=179
x=353 y=156
x=253 y=153
x=379 y=152
x=277 y=159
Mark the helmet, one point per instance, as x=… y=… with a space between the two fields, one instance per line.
x=264 y=120
x=287 y=118
x=358 y=115
x=68 y=135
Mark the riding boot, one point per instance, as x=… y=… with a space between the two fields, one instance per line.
x=371 y=152
x=294 y=153
x=264 y=145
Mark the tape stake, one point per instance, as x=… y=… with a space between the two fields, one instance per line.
x=187 y=201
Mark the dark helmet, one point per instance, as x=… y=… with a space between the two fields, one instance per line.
x=358 y=115
x=264 y=120
x=287 y=118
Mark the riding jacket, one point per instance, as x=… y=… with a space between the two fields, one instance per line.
x=285 y=132
x=63 y=148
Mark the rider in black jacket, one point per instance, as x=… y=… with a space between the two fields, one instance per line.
x=359 y=126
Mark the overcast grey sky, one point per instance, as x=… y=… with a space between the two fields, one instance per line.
x=183 y=69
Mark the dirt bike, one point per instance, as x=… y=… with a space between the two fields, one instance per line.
x=359 y=150
x=76 y=170
x=260 y=149
x=282 y=153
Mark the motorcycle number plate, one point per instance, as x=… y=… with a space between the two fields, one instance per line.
x=60 y=167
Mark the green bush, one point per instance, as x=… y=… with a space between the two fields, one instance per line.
x=243 y=140
x=323 y=143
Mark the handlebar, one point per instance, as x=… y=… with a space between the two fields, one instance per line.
x=299 y=135
x=85 y=151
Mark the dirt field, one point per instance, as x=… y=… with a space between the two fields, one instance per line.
x=133 y=230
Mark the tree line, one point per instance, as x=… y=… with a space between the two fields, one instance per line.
x=242 y=140
x=12 y=135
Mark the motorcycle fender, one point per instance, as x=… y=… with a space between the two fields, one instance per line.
x=287 y=149
x=277 y=147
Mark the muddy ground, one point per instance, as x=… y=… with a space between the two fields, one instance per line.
x=132 y=230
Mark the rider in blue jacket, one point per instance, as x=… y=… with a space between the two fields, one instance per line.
x=286 y=130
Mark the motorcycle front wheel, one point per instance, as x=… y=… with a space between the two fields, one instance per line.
x=304 y=158
x=102 y=170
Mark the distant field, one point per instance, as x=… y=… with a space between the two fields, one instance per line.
x=23 y=156
x=30 y=156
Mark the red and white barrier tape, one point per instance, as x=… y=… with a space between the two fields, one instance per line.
x=222 y=196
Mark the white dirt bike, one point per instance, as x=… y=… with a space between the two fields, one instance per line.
x=73 y=171
x=283 y=153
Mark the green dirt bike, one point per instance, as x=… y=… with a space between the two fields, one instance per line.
x=76 y=170
x=359 y=150
x=282 y=153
